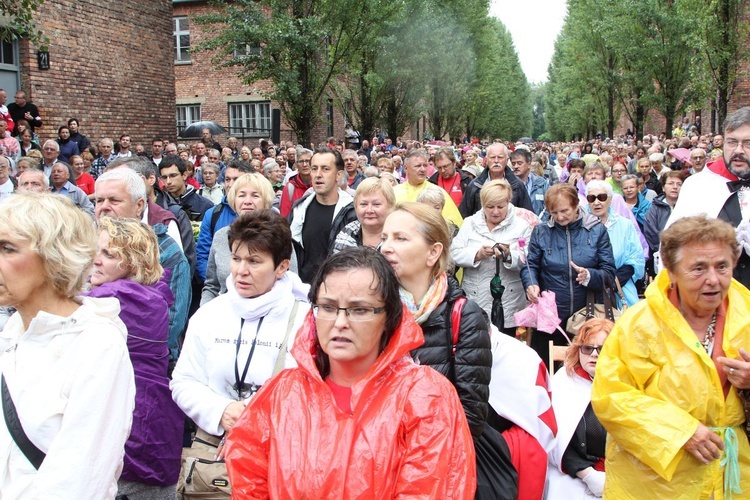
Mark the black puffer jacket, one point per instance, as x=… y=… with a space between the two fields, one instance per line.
x=473 y=360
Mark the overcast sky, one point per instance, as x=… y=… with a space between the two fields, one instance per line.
x=534 y=25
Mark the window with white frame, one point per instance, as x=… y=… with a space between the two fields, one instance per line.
x=181 y=38
x=187 y=114
x=245 y=49
x=250 y=118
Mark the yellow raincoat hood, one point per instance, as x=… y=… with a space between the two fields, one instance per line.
x=654 y=383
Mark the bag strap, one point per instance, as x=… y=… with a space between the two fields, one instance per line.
x=590 y=303
x=282 y=350
x=458 y=306
x=29 y=449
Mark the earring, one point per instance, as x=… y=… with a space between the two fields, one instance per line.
x=671 y=286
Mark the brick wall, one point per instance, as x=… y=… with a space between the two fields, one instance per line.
x=200 y=82
x=110 y=66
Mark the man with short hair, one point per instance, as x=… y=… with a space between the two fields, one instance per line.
x=121 y=193
x=536 y=186
x=208 y=140
x=298 y=184
x=173 y=173
x=200 y=152
x=125 y=151
x=454 y=181
x=33 y=180
x=291 y=156
x=106 y=155
x=232 y=144
x=22 y=109
x=351 y=167
x=717 y=142
x=50 y=152
x=319 y=216
x=7 y=186
x=497 y=168
x=170 y=149
x=651 y=176
x=257 y=154
x=416 y=182
x=697 y=160
x=81 y=140
x=722 y=189
x=157 y=148
x=61 y=184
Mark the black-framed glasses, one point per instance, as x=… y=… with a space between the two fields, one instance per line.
x=354 y=313
x=588 y=350
x=593 y=197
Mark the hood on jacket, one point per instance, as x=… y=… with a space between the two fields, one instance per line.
x=407 y=336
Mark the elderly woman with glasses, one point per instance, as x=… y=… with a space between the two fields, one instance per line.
x=670 y=383
x=626 y=247
x=576 y=463
x=357 y=418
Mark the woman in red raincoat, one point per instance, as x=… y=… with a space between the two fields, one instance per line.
x=357 y=418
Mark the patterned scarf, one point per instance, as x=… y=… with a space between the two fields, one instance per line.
x=433 y=298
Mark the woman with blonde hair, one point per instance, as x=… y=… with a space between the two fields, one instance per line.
x=488 y=244
x=126 y=267
x=416 y=243
x=576 y=463
x=249 y=192
x=63 y=358
x=373 y=201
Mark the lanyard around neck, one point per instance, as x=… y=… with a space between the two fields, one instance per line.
x=240 y=386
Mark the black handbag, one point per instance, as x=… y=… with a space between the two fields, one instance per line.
x=29 y=449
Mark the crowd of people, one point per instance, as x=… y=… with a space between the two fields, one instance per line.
x=376 y=294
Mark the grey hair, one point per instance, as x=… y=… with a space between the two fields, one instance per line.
x=213 y=151
x=268 y=165
x=212 y=166
x=597 y=184
x=629 y=177
x=139 y=164
x=52 y=143
x=133 y=181
x=421 y=153
x=349 y=152
x=737 y=119
x=302 y=151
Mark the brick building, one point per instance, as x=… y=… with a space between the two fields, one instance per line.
x=109 y=66
x=204 y=92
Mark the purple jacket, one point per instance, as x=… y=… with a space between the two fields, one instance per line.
x=153 y=451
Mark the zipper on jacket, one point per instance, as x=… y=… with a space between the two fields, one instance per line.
x=570 y=269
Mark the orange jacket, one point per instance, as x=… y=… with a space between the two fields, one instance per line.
x=407 y=435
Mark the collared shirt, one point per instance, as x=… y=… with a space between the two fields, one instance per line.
x=99 y=164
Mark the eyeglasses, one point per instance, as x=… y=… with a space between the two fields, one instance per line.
x=733 y=143
x=619 y=171
x=357 y=313
x=588 y=350
x=593 y=197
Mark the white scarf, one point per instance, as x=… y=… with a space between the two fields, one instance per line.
x=251 y=309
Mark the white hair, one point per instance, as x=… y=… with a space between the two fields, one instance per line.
x=133 y=181
x=597 y=184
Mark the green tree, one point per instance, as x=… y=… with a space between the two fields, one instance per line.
x=538 y=93
x=300 y=46
x=17 y=20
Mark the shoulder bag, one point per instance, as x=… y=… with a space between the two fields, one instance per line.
x=204 y=476
x=605 y=310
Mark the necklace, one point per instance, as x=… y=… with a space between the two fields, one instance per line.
x=708 y=340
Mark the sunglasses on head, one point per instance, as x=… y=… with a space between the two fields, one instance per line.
x=593 y=197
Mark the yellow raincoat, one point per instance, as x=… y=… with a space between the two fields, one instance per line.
x=654 y=382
